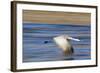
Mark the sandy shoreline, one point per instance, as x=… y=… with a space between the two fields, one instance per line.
x=51 y=17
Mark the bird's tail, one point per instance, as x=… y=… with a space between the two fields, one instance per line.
x=68 y=52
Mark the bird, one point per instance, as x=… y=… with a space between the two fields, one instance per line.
x=63 y=42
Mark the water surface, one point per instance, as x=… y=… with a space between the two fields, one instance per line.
x=38 y=44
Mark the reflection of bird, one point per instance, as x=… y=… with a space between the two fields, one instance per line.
x=63 y=42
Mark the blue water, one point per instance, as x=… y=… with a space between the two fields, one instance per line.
x=38 y=44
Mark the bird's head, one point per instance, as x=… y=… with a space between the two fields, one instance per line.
x=71 y=38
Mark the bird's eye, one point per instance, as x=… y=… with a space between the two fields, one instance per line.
x=68 y=39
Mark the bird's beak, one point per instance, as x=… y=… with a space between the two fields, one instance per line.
x=73 y=39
